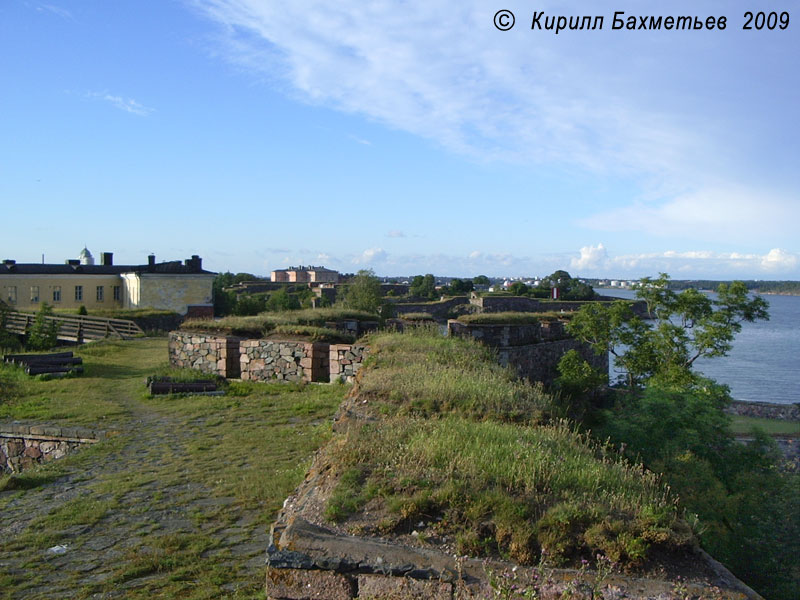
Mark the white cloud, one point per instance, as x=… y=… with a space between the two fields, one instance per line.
x=359 y=140
x=779 y=260
x=129 y=105
x=701 y=264
x=395 y=233
x=371 y=256
x=56 y=10
x=591 y=258
x=440 y=70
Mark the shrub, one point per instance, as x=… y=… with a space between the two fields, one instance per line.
x=44 y=332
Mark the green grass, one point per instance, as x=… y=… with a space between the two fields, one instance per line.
x=486 y=466
x=265 y=323
x=110 y=368
x=744 y=425
x=502 y=318
x=220 y=461
x=316 y=334
x=424 y=374
x=417 y=316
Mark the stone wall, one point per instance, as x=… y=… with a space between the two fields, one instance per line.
x=765 y=410
x=508 y=334
x=205 y=352
x=493 y=304
x=532 y=349
x=538 y=362
x=268 y=360
x=439 y=310
x=24 y=446
x=265 y=360
x=345 y=361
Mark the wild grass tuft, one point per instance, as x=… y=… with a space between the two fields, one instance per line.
x=422 y=373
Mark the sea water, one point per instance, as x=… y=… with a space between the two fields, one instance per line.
x=764 y=364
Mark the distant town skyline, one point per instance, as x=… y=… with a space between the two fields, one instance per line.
x=403 y=137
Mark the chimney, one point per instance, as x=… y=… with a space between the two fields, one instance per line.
x=151 y=260
x=195 y=263
x=107 y=259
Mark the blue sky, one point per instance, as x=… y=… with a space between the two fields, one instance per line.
x=407 y=137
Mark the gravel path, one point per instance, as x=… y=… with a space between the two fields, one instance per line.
x=150 y=502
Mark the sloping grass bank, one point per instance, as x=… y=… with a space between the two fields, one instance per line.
x=470 y=451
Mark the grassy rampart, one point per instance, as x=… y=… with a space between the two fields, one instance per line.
x=463 y=448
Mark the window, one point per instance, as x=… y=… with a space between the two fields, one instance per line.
x=56 y=293
x=99 y=293
x=11 y=294
x=78 y=293
x=34 y=294
x=117 y=293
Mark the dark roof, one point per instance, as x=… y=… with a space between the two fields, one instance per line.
x=175 y=267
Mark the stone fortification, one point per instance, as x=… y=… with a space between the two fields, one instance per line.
x=265 y=360
x=207 y=353
x=345 y=361
x=766 y=410
x=24 y=446
x=533 y=350
x=309 y=558
x=493 y=304
x=268 y=360
x=438 y=310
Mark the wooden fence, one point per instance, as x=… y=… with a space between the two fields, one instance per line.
x=76 y=328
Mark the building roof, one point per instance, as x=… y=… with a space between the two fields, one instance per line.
x=172 y=267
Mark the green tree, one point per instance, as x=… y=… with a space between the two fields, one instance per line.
x=364 y=292
x=686 y=326
x=8 y=341
x=249 y=304
x=281 y=300
x=44 y=332
x=459 y=287
x=570 y=289
x=743 y=507
x=423 y=287
x=480 y=280
x=519 y=289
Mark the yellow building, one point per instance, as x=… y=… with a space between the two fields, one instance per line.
x=173 y=285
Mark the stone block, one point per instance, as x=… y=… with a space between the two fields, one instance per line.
x=296 y=584
x=33 y=452
x=375 y=587
x=15 y=447
x=36 y=430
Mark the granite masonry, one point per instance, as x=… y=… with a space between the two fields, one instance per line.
x=205 y=352
x=268 y=360
x=533 y=350
x=265 y=360
x=345 y=361
x=24 y=446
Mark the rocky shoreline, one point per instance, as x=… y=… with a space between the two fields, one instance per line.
x=765 y=410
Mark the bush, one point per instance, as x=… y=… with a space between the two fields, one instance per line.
x=44 y=332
